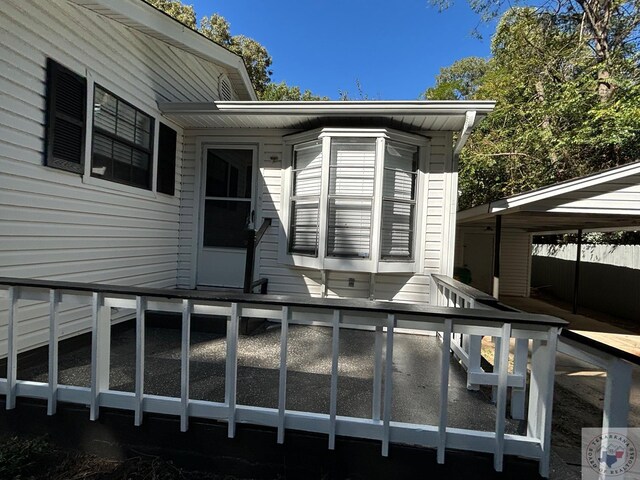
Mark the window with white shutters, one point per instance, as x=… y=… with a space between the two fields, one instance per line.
x=354 y=200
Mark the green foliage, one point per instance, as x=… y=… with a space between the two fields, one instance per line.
x=458 y=81
x=283 y=92
x=550 y=122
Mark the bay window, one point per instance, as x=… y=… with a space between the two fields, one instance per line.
x=352 y=200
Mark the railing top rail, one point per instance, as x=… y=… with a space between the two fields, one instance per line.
x=465 y=289
x=296 y=301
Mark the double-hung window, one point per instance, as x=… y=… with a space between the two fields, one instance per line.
x=122 y=135
x=122 y=141
x=353 y=200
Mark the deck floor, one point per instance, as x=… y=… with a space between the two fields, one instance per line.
x=416 y=363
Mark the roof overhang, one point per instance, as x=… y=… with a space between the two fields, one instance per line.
x=404 y=115
x=145 y=18
x=552 y=209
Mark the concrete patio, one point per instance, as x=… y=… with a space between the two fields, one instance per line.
x=415 y=379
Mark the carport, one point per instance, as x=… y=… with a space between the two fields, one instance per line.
x=495 y=238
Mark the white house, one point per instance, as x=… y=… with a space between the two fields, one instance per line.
x=133 y=152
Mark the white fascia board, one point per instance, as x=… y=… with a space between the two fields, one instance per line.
x=148 y=17
x=520 y=201
x=335 y=108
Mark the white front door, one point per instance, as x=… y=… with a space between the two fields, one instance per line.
x=227 y=211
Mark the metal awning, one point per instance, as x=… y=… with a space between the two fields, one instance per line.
x=403 y=115
x=605 y=201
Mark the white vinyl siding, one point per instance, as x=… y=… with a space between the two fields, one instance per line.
x=287 y=280
x=53 y=225
x=515 y=263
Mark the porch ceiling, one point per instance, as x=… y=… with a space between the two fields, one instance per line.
x=407 y=115
x=549 y=222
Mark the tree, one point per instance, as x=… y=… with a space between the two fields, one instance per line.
x=283 y=92
x=549 y=123
x=458 y=81
x=610 y=28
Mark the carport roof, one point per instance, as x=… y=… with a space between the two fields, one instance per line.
x=604 y=201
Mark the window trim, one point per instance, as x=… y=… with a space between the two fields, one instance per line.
x=374 y=264
x=151 y=151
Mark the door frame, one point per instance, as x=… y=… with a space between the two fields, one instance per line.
x=201 y=173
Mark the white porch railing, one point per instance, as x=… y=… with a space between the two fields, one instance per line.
x=467 y=348
x=617 y=364
x=337 y=314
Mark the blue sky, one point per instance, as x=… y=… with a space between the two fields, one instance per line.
x=393 y=48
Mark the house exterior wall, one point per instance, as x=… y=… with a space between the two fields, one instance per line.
x=515 y=258
x=63 y=226
x=284 y=279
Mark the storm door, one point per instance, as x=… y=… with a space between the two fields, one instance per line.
x=227 y=210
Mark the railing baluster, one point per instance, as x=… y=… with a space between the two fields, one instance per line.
x=388 y=385
x=475 y=358
x=497 y=349
x=232 y=368
x=100 y=345
x=518 y=395
x=501 y=400
x=615 y=412
x=333 y=399
x=141 y=306
x=543 y=367
x=12 y=348
x=282 y=386
x=444 y=388
x=377 y=374
x=52 y=402
x=184 y=365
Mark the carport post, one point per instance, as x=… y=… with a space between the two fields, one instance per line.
x=576 y=278
x=496 y=257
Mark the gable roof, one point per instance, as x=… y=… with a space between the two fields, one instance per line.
x=145 y=18
x=606 y=200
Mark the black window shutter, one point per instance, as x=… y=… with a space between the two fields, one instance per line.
x=167 y=140
x=66 y=118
